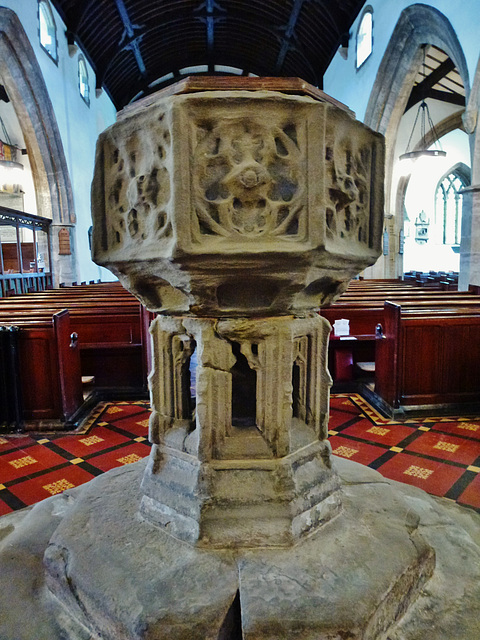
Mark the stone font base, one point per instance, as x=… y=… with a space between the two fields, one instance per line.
x=84 y=565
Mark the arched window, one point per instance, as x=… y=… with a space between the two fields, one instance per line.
x=47 y=29
x=365 y=37
x=448 y=204
x=83 y=86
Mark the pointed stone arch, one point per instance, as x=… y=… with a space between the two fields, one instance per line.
x=418 y=24
x=451 y=123
x=470 y=247
x=24 y=83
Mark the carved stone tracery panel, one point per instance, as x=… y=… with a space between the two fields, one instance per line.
x=248 y=179
x=205 y=186
x=349 y=161
x=137 y=186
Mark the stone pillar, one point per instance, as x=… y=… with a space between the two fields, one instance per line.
x=470 y=244
x=64 y=266
x=212 y=483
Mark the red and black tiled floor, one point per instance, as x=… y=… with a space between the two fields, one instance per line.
x=36 y=466
x=440 y=455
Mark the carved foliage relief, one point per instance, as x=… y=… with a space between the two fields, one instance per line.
x=349 y=161
x=137 y=184
x=249 y=179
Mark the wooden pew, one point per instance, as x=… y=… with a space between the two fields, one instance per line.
x=110 y=338
x=427 y=359
x=48 y=361
x=108 y=321
x=110 y=347
x=11 y=409
x=363 y=305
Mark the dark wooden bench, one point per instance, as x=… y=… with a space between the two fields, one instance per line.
x=363 y=305
x=110 y=336
x=427 y=359
x=48 y=361
x=108 y=321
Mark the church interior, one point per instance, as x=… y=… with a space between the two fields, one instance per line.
x=238 y=254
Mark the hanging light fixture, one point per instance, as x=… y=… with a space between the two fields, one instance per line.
x=10 y=169
x=423 y=117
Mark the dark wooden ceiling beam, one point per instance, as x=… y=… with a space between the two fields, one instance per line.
x=446 y=96
x=74 y=21
x=210 y=18
x=327 y=15
x=421 y=90
x=300 y=38
x=438 y=74
x=74 y=16
x=443 y=96
x=289 y=33
x=131 y=37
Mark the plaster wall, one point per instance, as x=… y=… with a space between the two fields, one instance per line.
x=12 y=125
x=343 y=80
x=379 y=89
x=420 y=196
x=78 y=123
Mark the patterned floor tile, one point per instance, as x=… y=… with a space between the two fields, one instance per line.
x=10 y=442
x=386 y=434
x=353 y=450
x=432 y=476
x=48 y=484
x=471 y=495
x=446 y=447
x=358 y=432
x=97 y=439
x=464 y=428
x=21 y=463
x=136 y=425
x=122 y=455
x=4 y=508
x=369 y=412
x=343 y=403
x=114 y=412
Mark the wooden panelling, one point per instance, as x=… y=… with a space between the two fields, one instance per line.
x=98 y=333
x=428 y=357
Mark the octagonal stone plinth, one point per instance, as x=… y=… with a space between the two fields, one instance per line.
x=230 y=201
x=214 y=480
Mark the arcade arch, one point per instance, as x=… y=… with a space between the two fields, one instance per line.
x=417 y=26
x=24 y=84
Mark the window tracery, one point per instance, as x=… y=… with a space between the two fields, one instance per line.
x=448 y=201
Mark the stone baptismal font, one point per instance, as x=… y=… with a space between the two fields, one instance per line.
x=234 y=215
x=234 y=209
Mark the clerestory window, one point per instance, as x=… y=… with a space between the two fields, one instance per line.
x=47 y=29
x=365 y=37
x=83 y=85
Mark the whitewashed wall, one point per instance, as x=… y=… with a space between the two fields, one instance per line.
x=78 y=123
x=344 y=82
x=354 y=88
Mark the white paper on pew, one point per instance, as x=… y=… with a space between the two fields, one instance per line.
x=348 y=338
x=341 y=327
